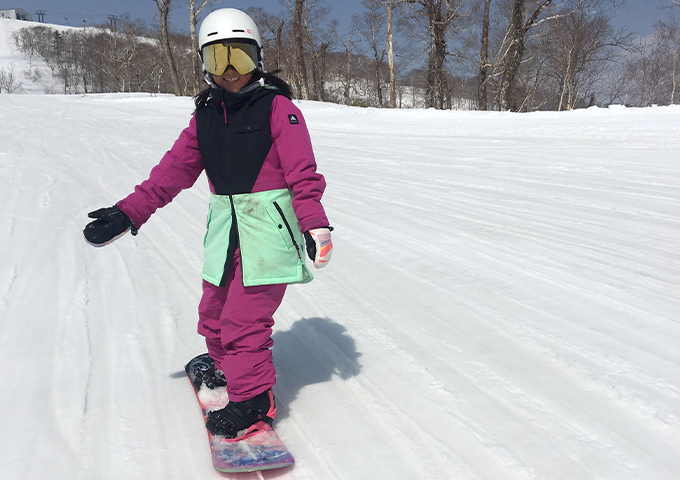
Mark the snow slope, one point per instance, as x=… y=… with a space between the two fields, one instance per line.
x=503 y=300
x=31 y=75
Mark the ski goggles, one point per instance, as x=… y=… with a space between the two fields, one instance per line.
x=218 y=56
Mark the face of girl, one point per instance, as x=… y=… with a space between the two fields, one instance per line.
x=231 y=80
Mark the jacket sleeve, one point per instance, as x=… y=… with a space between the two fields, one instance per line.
x=294 y=147
x=178 y=169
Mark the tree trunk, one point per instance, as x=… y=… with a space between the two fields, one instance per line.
x=299 y=34
x=319 y=73
x=348 y=73
x=436 y=77
x=440 y=15
x=164 y=9
x=513 y=58
x=568 y=82
x=674 y=76
x=390 y=55
x=279 y=43
x=193 y=21
x=378 y=83
x=482 y=97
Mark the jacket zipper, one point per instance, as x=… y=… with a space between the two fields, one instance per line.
x=290 y=230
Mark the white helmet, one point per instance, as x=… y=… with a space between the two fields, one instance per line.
x=228 y=24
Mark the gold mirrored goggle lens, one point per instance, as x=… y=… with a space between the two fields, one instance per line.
x=218 y=56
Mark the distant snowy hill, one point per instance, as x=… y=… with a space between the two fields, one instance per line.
x=35 y=76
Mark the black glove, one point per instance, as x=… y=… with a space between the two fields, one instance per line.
x=110 y=224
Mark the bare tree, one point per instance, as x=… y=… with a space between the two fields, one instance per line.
x=668 y=38
x=319 y=71
x=118 y=60
x=104 y=60
x=390 y=5
x=650 y=72
x=645 y=76
x=164 y=9
x=348 y=75
x=530 y=36
x=526 y=15
x=8 y=80
x=532 y=82
x=185 y=60
x=33 y=41
x=322 y=40
x=521 y=21
x=484 y=62
x=578 y=48
x=300 y=33
x=352 y=66
x=194 y=11
x=272 y=33
x=441 y=16
x=370 y=25
x=314 y=37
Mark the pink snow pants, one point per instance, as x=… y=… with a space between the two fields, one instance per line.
x=237 y=323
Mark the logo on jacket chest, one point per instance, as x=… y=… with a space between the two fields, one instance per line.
x=293 y=119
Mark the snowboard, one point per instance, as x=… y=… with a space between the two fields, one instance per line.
x=258 y=449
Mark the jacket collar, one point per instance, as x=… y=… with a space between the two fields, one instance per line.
x=221 y=96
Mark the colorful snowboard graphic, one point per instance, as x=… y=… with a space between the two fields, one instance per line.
x=258 y=450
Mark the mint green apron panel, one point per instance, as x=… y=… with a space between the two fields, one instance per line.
x=272 y=246
x=216 y=240
x=269 y=253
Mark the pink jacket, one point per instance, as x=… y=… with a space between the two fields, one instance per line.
x=289 y=164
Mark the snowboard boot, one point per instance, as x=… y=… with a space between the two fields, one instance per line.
x=240 y=418
x=205 y=373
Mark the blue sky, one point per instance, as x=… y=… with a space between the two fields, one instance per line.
x=639 y=15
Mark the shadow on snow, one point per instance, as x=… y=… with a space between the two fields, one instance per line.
x=311 y=352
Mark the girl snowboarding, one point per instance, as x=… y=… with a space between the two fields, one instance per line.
x=265 y=207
